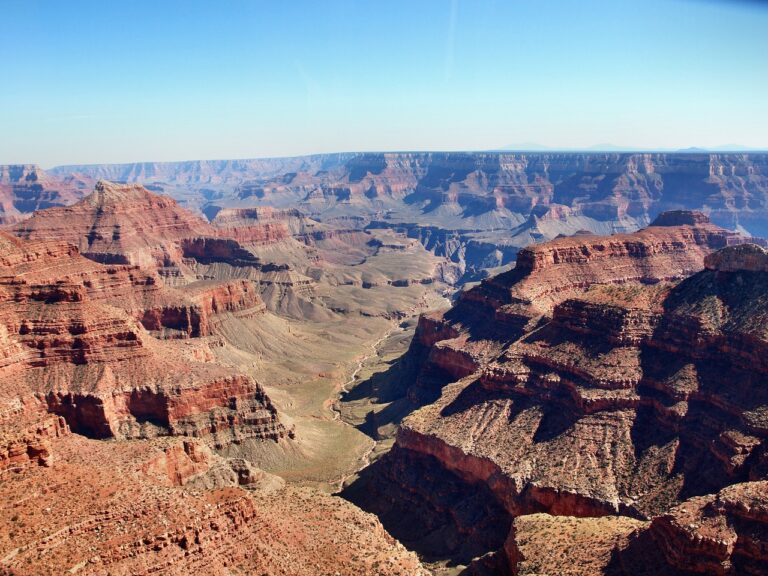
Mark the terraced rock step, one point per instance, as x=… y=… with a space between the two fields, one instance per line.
x=601 y=378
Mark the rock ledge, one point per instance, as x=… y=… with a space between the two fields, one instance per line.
x=740 y=258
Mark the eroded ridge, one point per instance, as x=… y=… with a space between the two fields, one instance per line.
x=603 y=377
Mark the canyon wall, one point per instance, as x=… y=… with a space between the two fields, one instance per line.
x=25 y=188
x=602 y=377
x=122 y=386
x=74 y=345
x=476 y=208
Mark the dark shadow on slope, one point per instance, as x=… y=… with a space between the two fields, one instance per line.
x=723 y=392
x=429 y=509
x=475 y=394
x=401 y=387
x=641 y=557
x=557 y=420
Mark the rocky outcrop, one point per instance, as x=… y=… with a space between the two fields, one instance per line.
x=292 y=237
x=221 y=410
x=262 y=225
x=71 y=344
x=744 y=258
x=169 y=507
x=719 y=534
x=601 y=377
x=680 y=218
x=207 y=250
x=32 y=445
x=181 y=462
x=567 y=545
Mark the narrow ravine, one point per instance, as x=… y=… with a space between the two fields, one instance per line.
x=373 y=352
x=365 y=458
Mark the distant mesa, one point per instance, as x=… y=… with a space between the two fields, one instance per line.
x=26 y=187
x=681 y=218
x=476 y=208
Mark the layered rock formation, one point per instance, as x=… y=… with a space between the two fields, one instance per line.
x=294 y=238
x=205 y=172
x=160 y=507
x=94 y=351
x=292 y=260
x=601 y=377
x=31 y=445
x=319 y=270
x=605 y=391
x=717 y=534
x=25 y=188
x=596 y=185
x=129 y=225
x=721 y=533
x=72 y=345
x=119 y=224
x=263 y=225
x=477 y=208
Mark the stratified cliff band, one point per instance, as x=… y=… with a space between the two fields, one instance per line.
x=613 y=378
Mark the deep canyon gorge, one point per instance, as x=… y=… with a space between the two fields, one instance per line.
x=386 y=363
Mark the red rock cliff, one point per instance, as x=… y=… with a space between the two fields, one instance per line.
x=70 y=343
x=623 y=387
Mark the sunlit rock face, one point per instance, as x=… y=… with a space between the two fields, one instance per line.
x=477 y=209
x=75 y=344
x=603 y=376
x=121 y=224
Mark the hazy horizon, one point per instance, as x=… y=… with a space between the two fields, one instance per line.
x=502 y=150
x=91 y=82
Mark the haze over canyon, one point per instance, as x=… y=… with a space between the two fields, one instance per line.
x=386 y=363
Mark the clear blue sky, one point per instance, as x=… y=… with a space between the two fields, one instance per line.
x=107 y=81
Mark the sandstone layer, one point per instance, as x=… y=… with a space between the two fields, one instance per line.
x=73 y=345
x=601 y=377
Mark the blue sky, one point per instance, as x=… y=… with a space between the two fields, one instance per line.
x=171 y=80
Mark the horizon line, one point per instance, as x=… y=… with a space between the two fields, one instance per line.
x=522 y=150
